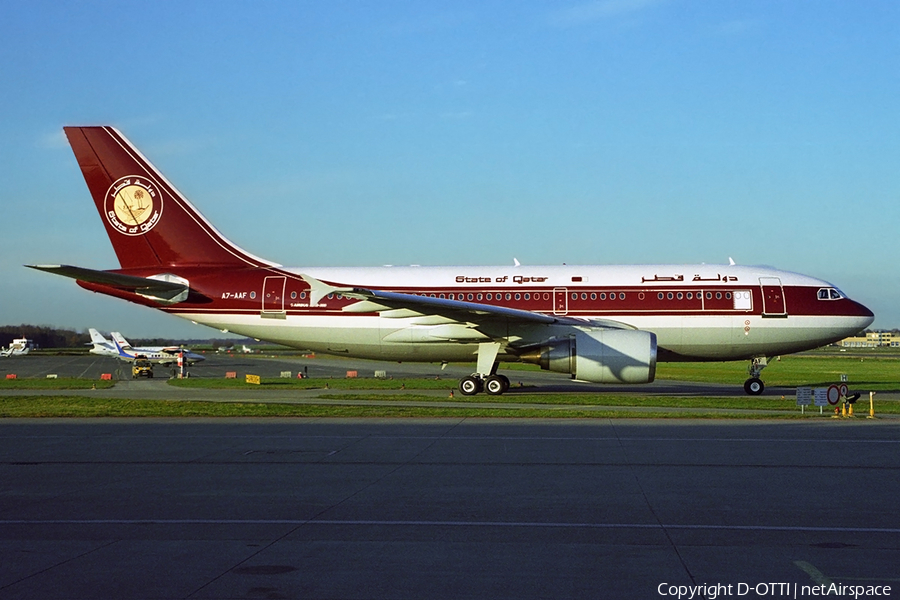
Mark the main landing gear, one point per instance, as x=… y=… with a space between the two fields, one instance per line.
x=493 y=384
x=485 y=378
x=754 y=386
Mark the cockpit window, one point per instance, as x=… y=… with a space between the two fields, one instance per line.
x=830 y=294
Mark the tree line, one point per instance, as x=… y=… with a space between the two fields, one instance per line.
x=43 y=336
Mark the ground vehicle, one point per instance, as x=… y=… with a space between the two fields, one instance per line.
x=141 y=367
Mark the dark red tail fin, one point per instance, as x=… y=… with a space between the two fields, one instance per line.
x=149 y=222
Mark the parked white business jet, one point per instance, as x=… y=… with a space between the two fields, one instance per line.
x=101 y=345
x=597 y=323
x=121 y=349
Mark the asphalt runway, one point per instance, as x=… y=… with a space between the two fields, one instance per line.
x=444 y=508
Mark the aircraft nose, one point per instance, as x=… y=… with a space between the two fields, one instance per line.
x=864 y=316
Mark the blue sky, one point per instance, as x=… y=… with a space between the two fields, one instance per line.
x=369 y=133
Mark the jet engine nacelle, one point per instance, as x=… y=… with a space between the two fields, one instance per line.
x=601 y=356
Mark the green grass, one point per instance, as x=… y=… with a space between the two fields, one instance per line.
x=83 y=407
x=545 y=406
x=789 y=403
x=877 y=373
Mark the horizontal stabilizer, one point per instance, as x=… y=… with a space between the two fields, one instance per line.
x=165 y=288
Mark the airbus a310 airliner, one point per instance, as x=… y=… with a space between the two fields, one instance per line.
x=605 y=324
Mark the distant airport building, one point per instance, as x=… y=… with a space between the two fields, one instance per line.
x=873 y=339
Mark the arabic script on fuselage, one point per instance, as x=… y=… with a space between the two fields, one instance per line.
x=678 y=278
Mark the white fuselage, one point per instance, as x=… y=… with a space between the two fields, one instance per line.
x=698 y=312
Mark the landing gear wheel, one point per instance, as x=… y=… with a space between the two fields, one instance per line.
x=469 y=385
x=496 y=385
x=754 y=386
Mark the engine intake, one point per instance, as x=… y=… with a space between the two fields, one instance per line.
x=600 y=356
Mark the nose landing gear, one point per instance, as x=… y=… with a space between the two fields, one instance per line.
x=754 y=386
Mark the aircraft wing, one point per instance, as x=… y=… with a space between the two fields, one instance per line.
x=161 y=290
x=395 y=304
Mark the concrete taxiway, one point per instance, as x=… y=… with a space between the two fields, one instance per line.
x=216 y=365
x=447 y=508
